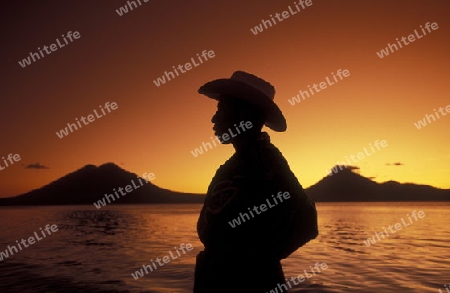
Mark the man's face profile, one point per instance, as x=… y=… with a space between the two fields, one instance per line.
x=225 y=116
x=231 y=112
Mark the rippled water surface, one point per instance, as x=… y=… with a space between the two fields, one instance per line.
x=97 y=250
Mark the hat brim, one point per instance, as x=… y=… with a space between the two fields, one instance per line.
x=216 y=88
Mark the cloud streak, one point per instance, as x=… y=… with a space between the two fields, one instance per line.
x=395 y=164
x=37 y=166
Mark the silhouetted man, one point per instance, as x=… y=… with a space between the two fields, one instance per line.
x=255 y=211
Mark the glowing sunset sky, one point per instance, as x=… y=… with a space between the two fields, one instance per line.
x=154 y=129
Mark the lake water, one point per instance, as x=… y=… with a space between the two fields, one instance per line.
x=98 y=250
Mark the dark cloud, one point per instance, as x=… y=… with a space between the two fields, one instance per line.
x=347 y=168
x=353 y=167
x=36 y=166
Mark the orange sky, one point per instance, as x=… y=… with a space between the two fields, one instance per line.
x=154 y=129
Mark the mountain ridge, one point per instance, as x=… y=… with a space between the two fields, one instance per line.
x=348 y=186
x=90 y=183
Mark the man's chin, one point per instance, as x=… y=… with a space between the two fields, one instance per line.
x=222 y=141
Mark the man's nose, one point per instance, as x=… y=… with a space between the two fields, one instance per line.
x=214 y=118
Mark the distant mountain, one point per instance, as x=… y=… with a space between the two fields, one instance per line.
x=347 y=186
x=90 y=183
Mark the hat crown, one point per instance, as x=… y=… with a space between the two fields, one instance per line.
x=252 y=89
x=255 y=82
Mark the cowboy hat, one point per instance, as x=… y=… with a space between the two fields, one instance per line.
x=252 y=89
